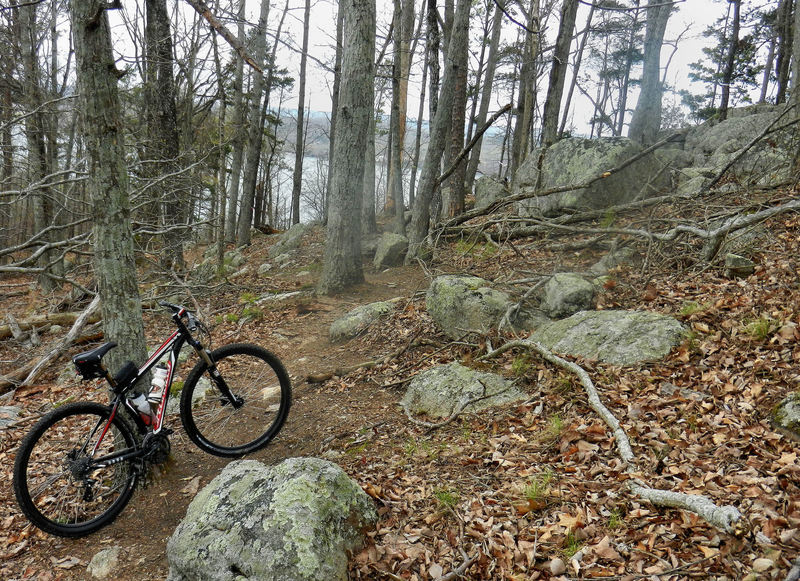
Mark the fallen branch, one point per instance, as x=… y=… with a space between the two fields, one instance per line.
x=65 y=343
x=725 y=518
x=48 y=319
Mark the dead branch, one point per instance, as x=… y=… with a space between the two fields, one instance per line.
x=48 y=319
x=324 y=376
x=65 y=343
x=726 y=518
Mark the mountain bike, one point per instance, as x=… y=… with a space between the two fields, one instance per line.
x=78 y=466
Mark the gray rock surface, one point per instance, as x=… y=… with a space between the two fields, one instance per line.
x=488 y=190
x=288 y=241
x=618 y=337
x=738 y=266
x=9 y=415
x=443 y=390
x=104 y=563
x=296 y=521
x=462 y=304
x=787 y=414
x=356 y=321
x=565 y=294
x=391 y=250
x=576 y=160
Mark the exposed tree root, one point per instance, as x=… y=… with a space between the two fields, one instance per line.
x=725 y=518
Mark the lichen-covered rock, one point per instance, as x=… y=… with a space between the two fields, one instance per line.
x=565 y=294
x=288 y=241
x=234 y=259
x=738 y=266
x=618 y=337
x=443 y=390
x=296 y=521
x=576 y=160
x=356 y=321
x=787 y=414
x=391 y=250
x=464 y=304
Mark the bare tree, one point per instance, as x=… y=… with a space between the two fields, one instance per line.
x=299 y=152
x=730 y=61
x=646 y=120
x=114 y=264
x=558 y=72
x=342 y=261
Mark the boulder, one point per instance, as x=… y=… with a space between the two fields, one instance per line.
x=738 y=266
x=463 y=304
x=715 y=143
x=9 y=414
x=104 y=563
x=615 y=258
x=617 y=337
x=576 y=160
x=234 y=259
x=443 y=390
x=488 y=190
x=787 y=415
x=565 y=294
x=288 y=241
x=391 y=250
x=356 y=321
x=295 y=521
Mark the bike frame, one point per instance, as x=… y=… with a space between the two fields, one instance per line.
x=173 y=345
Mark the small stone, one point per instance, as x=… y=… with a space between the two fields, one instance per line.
x=558 y=567
x=762 y=564
x=738 y=266
x=104 y=563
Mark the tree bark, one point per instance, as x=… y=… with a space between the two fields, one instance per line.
x=486 y=96
x=784 y=49
x=521 y=143
x=342 y=260
x=114 y=264
x=646 y=120
x=299 y=148
x=558 y=73
x=337 y=79
x=255 y=137
x=730 y=63
x=437 y=139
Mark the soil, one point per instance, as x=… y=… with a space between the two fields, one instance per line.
x=502 y=493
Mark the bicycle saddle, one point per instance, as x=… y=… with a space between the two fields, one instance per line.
x=94 y=356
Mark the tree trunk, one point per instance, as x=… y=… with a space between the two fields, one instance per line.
x=619 y=124
x=521 y=144
x=162 y=126
x=558 y=73
x=646 y=120
x=486 y=97
x=337 y=79
x=784 y=56
x=342 y=261
x=255 y=137
x=455 y=183
x=727 y=75
x=299 y=148
x=237 y=143
x=438 y=134
x=114 y=264
x=368 y=222
x=434 y=42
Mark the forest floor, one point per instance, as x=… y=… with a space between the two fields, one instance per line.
x=506 y=492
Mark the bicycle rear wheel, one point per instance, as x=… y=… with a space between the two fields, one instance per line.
x=262 y=390
x=57 y=486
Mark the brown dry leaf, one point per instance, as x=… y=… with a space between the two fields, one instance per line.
x=604 y=550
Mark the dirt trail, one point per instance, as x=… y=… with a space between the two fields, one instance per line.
x=143 y=528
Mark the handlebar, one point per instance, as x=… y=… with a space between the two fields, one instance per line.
x=191 y=320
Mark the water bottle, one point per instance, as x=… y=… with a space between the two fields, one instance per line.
x=158 y=383
x=143 y=407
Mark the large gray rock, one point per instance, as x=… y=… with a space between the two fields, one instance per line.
x=463 y=304
x=391 y=250
x=618 y=337
x=356 y=321
x=787 y=414
x=576 y=160
x=565 y=294
x=443 y=390
x=715 y=143
x=288 y=241
x=488 y=190
x=296 y=521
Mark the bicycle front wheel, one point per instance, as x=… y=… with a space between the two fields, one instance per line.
x=57 y=482
x=261 y=395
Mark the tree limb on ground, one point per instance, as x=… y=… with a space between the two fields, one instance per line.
x=48 y=319
x=65 y=343
x=725 y=518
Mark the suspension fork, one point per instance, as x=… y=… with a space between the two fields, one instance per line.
x=218 y=380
